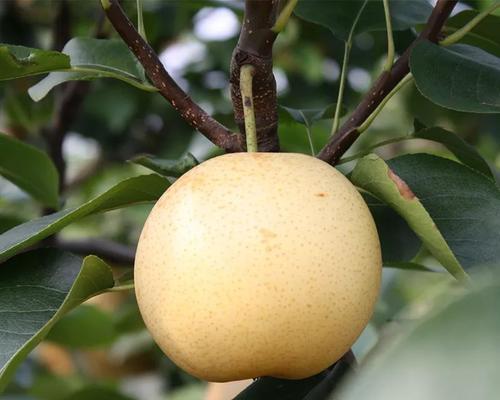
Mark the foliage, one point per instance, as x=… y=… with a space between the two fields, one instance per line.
x=431 y=185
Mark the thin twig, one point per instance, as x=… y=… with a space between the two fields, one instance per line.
x=140 y=21
x=284 y=16
x=340 y=94
x=62 y=26
x=67 y=108
x=390 y=40
x=343 y=74
x=367 y=122
x=460 y=33
x=191 y=112
x=348 y=133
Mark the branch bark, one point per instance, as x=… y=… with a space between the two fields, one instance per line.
x=254 y=48
x=67 y=106
x=348 y=133
x=326 y=389
x=191 y=112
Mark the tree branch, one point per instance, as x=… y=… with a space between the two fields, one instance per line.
x=108 y=250
x=254 y=48
x=62 y=26
x=193 y=114
x=334 y=378
x=348 y=132
x=67 y=106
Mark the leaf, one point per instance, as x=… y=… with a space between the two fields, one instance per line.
x=47 y=386
x=306 y=116
x=174 y=168
x=30 y=169
x=23 y=113
x=452 y=353
x=9 y=221
x=20 y=61
x=95 y=58
x=397 y=240
x=97 y=392
x=464 y=152
x=85 y=327
x=407 y=266
x=464 y=204
x=36 y=290
x=459 y=77
x=484 y=35
x=338 y=16
x=373 y=174
x=139 y=189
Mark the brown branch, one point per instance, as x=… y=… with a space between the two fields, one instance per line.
x=62 y=26
x=106 y=249
x=255 y=48
x=54 y=134
x=348 y=133
x=191 y=112
x=334 y=378
x=67 y=107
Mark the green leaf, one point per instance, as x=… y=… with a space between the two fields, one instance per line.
x=464 y=204
x=92 y=59
x=22 y=112
x=452 y=353
x=309 y=116
x=20 y=61
x=398 y=242
x=459 y=77
x=338 y=16
x=30 y=169
x=36 y=290
x=46 y=386
x=173 y=168
x=373 y=175
x=97 y=392
x=464 y=152
x=9 y=221
x=85 y=327
x=484 y=35
x=139 y=189
x=407 y=266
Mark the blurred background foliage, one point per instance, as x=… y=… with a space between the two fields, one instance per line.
x=101 y=350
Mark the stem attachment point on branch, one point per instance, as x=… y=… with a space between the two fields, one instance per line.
x=246 y=78
x=386 y=82
x=105 y=4
x=190 y=111
x=460 y=33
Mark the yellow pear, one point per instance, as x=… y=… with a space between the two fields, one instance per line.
x=258 y=264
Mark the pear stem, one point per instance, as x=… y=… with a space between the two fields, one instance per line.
x=246 y=77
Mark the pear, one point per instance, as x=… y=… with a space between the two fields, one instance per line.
x=258 y=264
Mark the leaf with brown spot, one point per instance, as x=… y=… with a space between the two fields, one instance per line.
x=373 y=175
x=403 y=188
